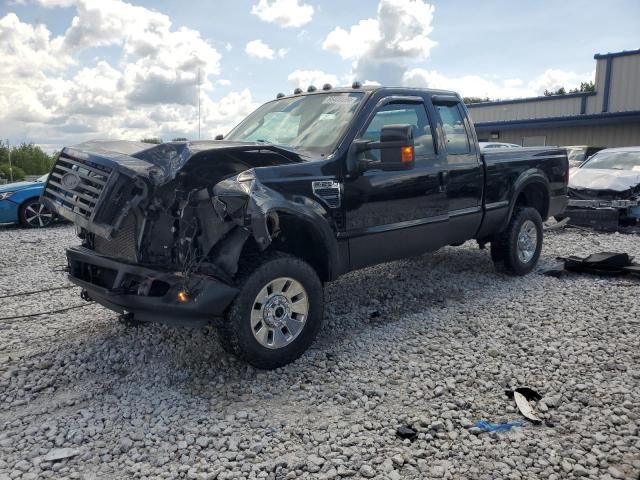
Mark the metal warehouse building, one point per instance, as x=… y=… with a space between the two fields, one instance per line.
x=609 y=117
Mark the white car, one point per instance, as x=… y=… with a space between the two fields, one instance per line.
x=604 y=191
x=496 y=145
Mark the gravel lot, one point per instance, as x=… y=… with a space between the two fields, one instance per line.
x=430 y=342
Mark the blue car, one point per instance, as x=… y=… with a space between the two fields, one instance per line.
x=20 y=203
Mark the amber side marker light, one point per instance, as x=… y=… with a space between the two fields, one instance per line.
x=183 y=296
x=407 y=154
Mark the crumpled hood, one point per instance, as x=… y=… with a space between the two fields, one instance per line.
x=602 y=179
x=17 y=186
x=160 y=163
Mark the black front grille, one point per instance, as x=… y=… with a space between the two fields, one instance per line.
x=76 y=185
x=123 y=244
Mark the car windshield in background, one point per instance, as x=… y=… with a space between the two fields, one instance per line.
x=614 y=161
x=575 y=154
x=311 y=123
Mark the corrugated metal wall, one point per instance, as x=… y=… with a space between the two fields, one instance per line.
x=624 y=96
x=625 y=84
x=609 y=135
x=519 y=111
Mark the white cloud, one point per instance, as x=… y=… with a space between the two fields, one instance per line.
x=224 y=82
x=478 y=86
x=27 y=49
x=151 y=88
x=282 y=52
x=381 y=46
x=259 y=49
x=356 y=42
x=317 y=78
x=286 y=13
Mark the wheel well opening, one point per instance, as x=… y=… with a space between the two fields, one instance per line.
x=298 y=238
x=535 y=195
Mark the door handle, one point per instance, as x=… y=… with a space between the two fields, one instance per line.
x=443 y=176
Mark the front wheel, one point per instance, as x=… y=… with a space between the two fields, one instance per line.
x=277 y=314
x=516 y=250
x=35 y=214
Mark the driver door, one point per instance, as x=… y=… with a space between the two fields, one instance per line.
x=394 y=214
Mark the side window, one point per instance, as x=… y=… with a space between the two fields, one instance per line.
x=455 y=135
x=403 y=114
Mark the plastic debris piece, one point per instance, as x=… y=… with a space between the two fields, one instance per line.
x=406 y=432
x=525 y=407
x=528 y=393
x=60 y=454
x=603 y=263
x=556 y=271
x=497 y=427
x=558 y=225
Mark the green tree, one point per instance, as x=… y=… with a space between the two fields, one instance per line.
x=31 y=159
x=4 y=152
x=154 y=140
x=470 y=100
x=584 y=87
x=560 y=91
x=18 y=173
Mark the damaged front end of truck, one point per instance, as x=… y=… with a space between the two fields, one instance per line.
x=163 y=227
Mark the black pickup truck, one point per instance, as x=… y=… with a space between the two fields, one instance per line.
x=243 y=231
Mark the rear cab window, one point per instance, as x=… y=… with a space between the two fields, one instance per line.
x=456 y=137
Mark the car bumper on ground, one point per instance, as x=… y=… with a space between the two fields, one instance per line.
x=150 y=295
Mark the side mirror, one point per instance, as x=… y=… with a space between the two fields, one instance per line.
x=396 y=149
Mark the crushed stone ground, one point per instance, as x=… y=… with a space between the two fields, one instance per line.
x=430 y=342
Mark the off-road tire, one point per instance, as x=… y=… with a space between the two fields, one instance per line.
x=236 y=336
x=504 y=245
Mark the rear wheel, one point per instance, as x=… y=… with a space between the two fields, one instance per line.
x=277 y=314
x=35 y=214
x=516 y=250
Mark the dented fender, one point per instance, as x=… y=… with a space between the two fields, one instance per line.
x=251 y=204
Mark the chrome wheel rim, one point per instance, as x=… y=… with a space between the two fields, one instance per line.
x=527 y=241
x=279 y=312
x=38 y=215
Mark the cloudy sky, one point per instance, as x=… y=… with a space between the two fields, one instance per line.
x=71 y=70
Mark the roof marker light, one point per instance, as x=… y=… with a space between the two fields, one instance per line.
x=280 y=95
x=297 y=91
x=311 y=88
x=327 y=86
x=356 y=84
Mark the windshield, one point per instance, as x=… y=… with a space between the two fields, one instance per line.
x=614 y=161
x=575 y=154
x=311 y=123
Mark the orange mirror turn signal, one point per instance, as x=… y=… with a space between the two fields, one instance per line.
x=407 y=154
